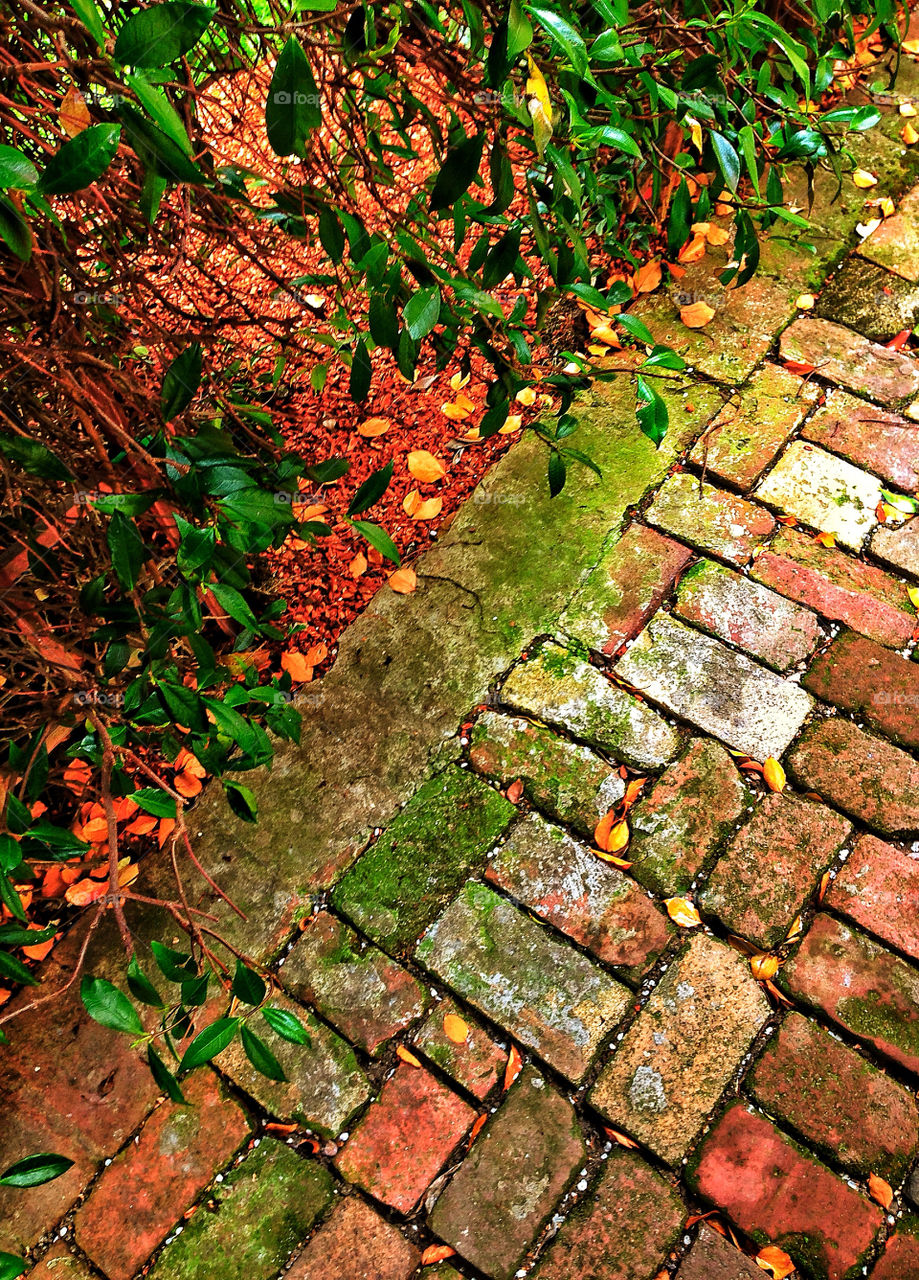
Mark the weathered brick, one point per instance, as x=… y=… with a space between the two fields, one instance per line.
x=550 y=997
x=623 y=1227
x=898 y=547
x=263 y=1209
x=772 y=866
x=751 y=429
x=765 y=624
x=624 y=589
x=824 y=491
x=542 y=867
x=868 y=990
x=895 y=243
x=863 y=775
x=720 y=691
x=708 y=518
x=681 y=822
x=870 y=681
x=861 y=595
x=842 y=356
x=367 y=996
x=324 y=1085
x=151 y=1183
x=60 y=1264
x=560 y=688
x=514 y=1176
x=900 y=1259
x=477 y=1063
x=779 y=1194
x=878 y=888
x=712 y=1257
x=354 y=1243
x=836 y=1101
x=678 y=1056
x=398 y=1148
x=872 y=301
x=400 y=884
x=870 y=437
x=564 y=780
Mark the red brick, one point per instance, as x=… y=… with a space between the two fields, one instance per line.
x=353 y=1244
x=399 y=1146
x=777 y=1192
x=150 y=1184
x=60 y=1264
x=900 y=1259
x=477 y=1064
x=878 y=888
x=713 y=1257
x=871 y=682
x=708 y=518
x=623 y=1227
x=839 y=1103
x=898 y=547
x=868 y=990
x=870 y=437
x=851 y=360
x=836 y=585
x=858 y=773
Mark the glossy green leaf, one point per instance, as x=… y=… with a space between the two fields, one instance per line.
x=287 y=1025
x=260 y=1055
x=292 y=110
x=16 y=169
x=247 y=985
x=371 y=490
x=34 y=1171
x=421 y=312
x=81 y=161
x=164 y=1077
x=107 y=1005
x=181 y=381
x=12 y=1267
x=459 y=170
x=161 y=33
x=378 y=538
x=208 y=1043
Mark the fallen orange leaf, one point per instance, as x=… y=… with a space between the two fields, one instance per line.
x=515 y=791
x=411 y=502
x=683 y=911
x=776 y=1261
x=880 y=1191
x=611 y=833
x=908 y=133
x=826 y=539
x=425 y=467
x=296 y=665
x=476 y=1129
x=187 y=784
x=796 y=366
x=403 y=1053
x=514 y=1066
x=632 y=792
x=428 y=509
x=774 y=774
x=455 y=1028
x=692 y=250
x=373 y=427
x=358 y=566
x=763 y=967
x=620 y=1138
x=455 y=412
x=436 y=1253
x=648 y=277
x=74 y=116
x=403 y=581
x=697 y=315
x=824 y=885
x=863 y=179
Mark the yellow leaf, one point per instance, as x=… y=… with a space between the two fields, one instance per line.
x=403 y=581
x=455 y=412
x=425 y=467
x=403 y=1053
x=909 y=134
x=648 y=277
x=764 y=967
x=458 y=381
x=862 y=178
x=411 y=502
x=428 y=509
x=717 y=235
x=527 y=396
x=513 y=423
x=880 y=1191
x=696 y=315
x=455 y=1028
x=695 y=132
x=622 y=1139
x=913 y=593
x=805 y=301
x=74 y=115
x=887 y=207
x=774 y=774
x=826 y=539
x=374 y=427
x=606 y=334
x=611 y=858
x=776 y=1261
x=473 y=434
x=910 y=46
x=683 y=911
x=693 y=250
x=610 y=835
x=797 y=928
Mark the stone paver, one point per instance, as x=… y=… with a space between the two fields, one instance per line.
x=564 y=780
x=865 y=297
x=878 y=888
x=752 y=428
x=842 y=356
x=840 y=587
x=765 y=624
x=60 y=1264
x=678 y=826
x=477 y=1062
x=712 y=1257
x=898 y=547
x=625 y=1228
x=895 y=243
x=859 y=773
x=367 y=996
x=870 y=682
x=900 y=1259
x=870 y=437
x=779 y=1194
x=355 y=1242
x=772 y=866
x=559 y=879
x=550 y=997
x=709 y=519
x=823 y=491
x=836 y=1101
x=399 y=1146
x=871 y=992
x=558 y=687
x=625 y=588
x=518 y=1169
x=715 y=688
x=680 y=1053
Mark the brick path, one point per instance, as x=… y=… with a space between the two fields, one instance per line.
x=433 y=906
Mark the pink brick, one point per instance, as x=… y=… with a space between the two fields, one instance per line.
x=870 y=682
x=870 y=437
x=355 y=1243
x=845 y=357
x=878 y=888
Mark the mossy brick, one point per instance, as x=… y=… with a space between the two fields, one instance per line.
x=562 y=689
x=823 y=491
x=836 y=1101
x=894 y=244
x=261 y=1212
x=627 y=585
x=863 y=775
x=477 y=1062
x=355 y=1243
x=567 y=781
x=60 y=1264
x=715 y=688
x=878 y=888
x=900 y=1257
x=712 y=1257
x=324 y=1085
x=873 y=438
x=563 y=882
x=680 y=1053
x=752 y=427
x=772 y=866
x=678 y=826
x=870 y=682
x=709 y=519
x=543 y=992
x=838 y=586
x=898 y=547
x=870 y=992
x=426 y=853
x=625 y=1225
x=355 y=986
x=513 y=1178
x=851 y=361
x=778 y=1193
x=405 y=1137
x=869 y=299
x=763 y=623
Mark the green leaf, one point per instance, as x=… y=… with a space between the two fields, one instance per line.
x=196 y=546
x=154 y=801
x=34 y=1171
x=34 y=458
x=248 y=985
x=459 y=169
x=331 y=234
x=81 y=161
x=108 y=1006
x=261 y=1056
x=636 y=328
x=241 y=800
x=557 y=473
x=10 y=966
x=611 y=135
x=140 y=986
x=14 y=231
x=565 y=35
x=88 y=13
x=378 y=538
x=235 y=604
x=287 y=1025
x=10 y=1266
x=160 y=155
x=519 y=31
x=164 y=1077
x=371 y=490
x=208 y=1043
x=292 y=109
x=10 y=853
x=181 y=381
x=158 y=35
x=16 y=169
x=662 y=357
x=176 y=966
x=728 y=160
x=126 y=548
x=329 y=471
x=858 y=118
x=160 y=109
x=422 y=312
x=651 y=411
x=361 y=372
